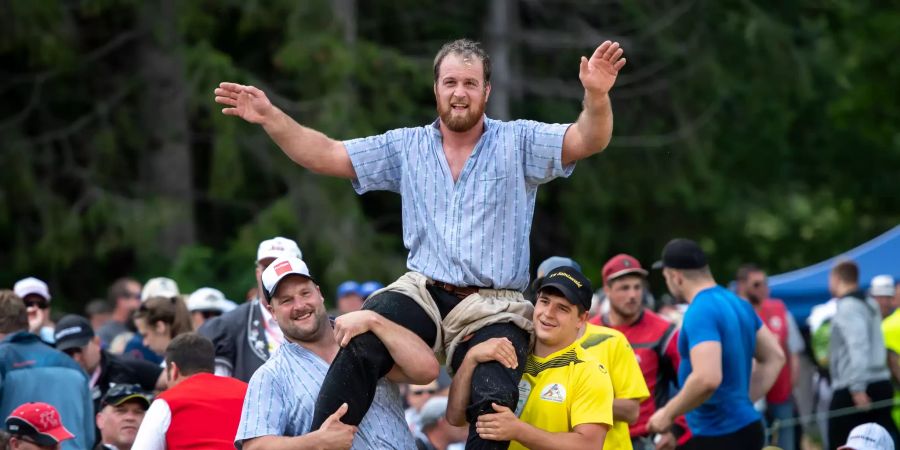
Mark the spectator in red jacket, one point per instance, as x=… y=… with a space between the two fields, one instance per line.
x=199 y=410
x=654 y=340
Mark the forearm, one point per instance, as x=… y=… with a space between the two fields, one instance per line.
x=307 y=147
x=692 y=395
x=762 y=378
x=460 y=390
x=313 y=440
x=593 y=128
x=537 y=439
x=626 y=410
x=413 y=358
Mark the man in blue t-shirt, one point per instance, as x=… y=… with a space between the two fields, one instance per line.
x=720 y=337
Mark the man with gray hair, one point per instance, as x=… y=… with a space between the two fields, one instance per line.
x=468 y=185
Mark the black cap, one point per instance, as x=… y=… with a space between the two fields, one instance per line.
x=122 y=393
x=683 y=254
x=571 y=282
x=72 y=331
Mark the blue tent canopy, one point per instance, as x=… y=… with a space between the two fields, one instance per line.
x=804 y=288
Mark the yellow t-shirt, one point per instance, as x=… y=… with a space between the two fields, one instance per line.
x=563 y=390
x=612 y=349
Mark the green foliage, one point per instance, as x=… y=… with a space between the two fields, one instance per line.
x=765 y=130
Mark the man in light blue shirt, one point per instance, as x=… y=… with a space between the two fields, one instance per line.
x=468 y=186
x=281 y=396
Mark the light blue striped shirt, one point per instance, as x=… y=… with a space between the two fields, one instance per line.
x=281 y=398
x=473 y=232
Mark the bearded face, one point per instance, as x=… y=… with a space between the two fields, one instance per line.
x=460 y=92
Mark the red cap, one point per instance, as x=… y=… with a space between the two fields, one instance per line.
x=619 y=265
x=38 y=421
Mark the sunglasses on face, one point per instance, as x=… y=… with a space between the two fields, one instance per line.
x=134 y=295
x=42 y=304
x=209 y=314
x=422 y=392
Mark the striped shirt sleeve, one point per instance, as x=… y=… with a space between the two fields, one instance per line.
x=265 y=411
x=541 y=145
x=377 y=161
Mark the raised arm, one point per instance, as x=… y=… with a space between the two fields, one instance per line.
x=414 y=361
x=592 y=131
x=769 y=360
x=307 y=147
x=494 y=349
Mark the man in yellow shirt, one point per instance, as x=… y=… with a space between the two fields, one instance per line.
x=612 y=349
x=565 y=396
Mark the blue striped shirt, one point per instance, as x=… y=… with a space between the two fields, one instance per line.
x=281 y=398
x=473 y=232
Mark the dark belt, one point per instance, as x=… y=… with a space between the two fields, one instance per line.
x=460 y=292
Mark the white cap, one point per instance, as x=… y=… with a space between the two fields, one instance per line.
x=209 y=299
x=882 y=285
x=160 y=287
x=31 y=285
x=278 y=247
x=278 y=270
x=868 y=436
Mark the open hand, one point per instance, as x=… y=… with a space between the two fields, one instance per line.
x=500 y=426
x=495 y=349
x=246 y=102
x=599 y=73
x=352 y=324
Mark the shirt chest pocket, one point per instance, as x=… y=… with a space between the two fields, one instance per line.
x=490 y=188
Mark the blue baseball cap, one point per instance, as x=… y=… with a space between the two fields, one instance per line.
x=366 y=289
x=556 y=261
x=348 y=287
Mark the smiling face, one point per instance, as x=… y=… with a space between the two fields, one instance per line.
x=460 y=92
x=556 y=321
x=119 y=424
x=299 y=309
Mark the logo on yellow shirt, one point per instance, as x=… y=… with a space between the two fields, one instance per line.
x=554 y=393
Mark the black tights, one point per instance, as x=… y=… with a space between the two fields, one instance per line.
x=354 y=374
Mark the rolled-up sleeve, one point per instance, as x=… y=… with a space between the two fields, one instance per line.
x=541 y=145
x=378 y=161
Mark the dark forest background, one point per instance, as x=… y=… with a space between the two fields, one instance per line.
x=766 y=130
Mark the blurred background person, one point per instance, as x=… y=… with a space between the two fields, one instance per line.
x=753 y=286
x=200 y=409
x=857 y=357
x=120 y=416
x=435 y=433
x=36 y=426
x=206 y=303
x=124 y=297
x=30 y=370
x=134 y=343
x=36 y=296
x=75 y=338
x=161 y=319
x=98 y=312
x=368 y=288
x=416 y=395
x=349 y=298
x=246 y=337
